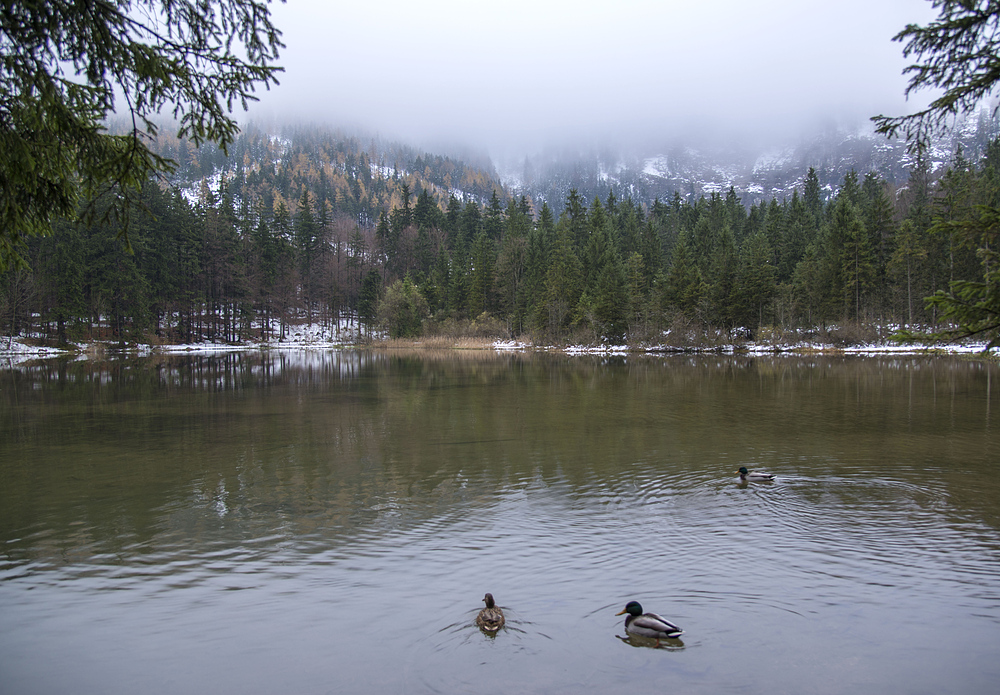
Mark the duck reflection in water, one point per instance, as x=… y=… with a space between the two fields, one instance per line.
x=672 y=644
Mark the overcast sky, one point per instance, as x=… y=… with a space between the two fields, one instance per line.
x=524 y=73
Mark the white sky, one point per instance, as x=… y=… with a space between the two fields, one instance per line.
x=522 y=73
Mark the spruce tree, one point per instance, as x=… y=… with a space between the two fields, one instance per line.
x=452 y=221
x=61 y=265
x=812 y=199
x=685 y=287
x=194 y=59
x=850 y=247
x=755 y=281
x=575 y=214
x=493 y=219
x=562 y=279
x=481 y=275
x=724 y=280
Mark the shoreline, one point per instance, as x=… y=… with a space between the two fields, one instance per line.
x=17 y=350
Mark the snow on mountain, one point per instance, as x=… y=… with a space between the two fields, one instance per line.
x=657 y=166
x=756 y=176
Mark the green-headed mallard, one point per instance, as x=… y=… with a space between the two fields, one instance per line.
x=648 y=624
x=490 y=619
x=755 y=476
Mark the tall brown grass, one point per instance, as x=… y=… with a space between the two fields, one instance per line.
x=436 y=342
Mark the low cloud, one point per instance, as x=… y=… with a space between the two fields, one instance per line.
x=525 y=75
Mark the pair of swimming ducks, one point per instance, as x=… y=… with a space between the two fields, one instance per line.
x=490 y=619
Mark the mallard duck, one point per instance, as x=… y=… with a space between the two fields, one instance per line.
x=756 y=476
x=490 y=619
x=648 y=624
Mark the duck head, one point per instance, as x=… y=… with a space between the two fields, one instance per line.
x=632 y=608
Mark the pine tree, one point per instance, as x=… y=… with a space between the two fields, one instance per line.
x=517 y=219
x=493 y=219
x=933 y=270
x=651 y=249
x=856 y=257
x=66 y=67
x=637 y=292
x=481 y=275
x=452 y=221
x=439 y=281
x=957 y=53
x=598 y=242
x=61 y=264
x=685 y=287
x=562 y=279
x=736 y=215
x=908 y=254
x=167 y=251
x=702 y=242
x=223 y=274
x=972 y=307
x=114 y=287
x=775 y=226
x=604 y=279
x=724 y=280
x=402 y=217
x=426 y=213
x=809 y=285
x=812 y=198
x=512 y=263
x=575 y=214
x=755 y=280
x=878 y=216
x=800 y=231
x=286 y=269
x=307 y=244
x=540 y=242
x=956 y=196
x=472 y=223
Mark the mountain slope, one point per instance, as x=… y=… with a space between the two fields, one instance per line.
x=755 y=174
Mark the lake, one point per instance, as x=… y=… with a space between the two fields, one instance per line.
x=328 y=522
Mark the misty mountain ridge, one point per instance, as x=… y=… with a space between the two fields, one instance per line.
x=362 y=174
x=755 y=174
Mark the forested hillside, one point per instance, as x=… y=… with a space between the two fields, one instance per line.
x=346 y=176
x=314 y=225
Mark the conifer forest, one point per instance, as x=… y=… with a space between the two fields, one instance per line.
x=323 y=227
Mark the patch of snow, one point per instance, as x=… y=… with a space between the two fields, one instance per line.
x=192 y=194
x=510 y=346
x=772 y=160
x=15 y=351
x=657 y=166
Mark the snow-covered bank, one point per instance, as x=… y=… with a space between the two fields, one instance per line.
x=753 y=349
x=305 y=336
x=16 y=350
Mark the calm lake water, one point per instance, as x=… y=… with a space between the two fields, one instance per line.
x=328 y=522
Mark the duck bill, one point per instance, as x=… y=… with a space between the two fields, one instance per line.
x=621 y=613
